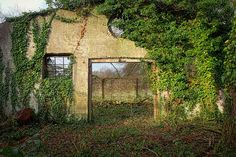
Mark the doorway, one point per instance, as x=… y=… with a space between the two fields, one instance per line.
x=121 y=83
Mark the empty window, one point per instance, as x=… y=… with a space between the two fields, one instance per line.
x=57 y=66
x=114 y=29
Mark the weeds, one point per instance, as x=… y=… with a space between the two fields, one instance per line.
x=120 y=130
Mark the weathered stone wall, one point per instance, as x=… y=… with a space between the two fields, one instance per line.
x=5 y=44
x=89 y=38
x=86 y=39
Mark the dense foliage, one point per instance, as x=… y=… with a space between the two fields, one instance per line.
x=186 y=38
x=26 y=80
x=229 y=77
x=55 y=104
x=27 y=71
x=193 y=43
x=72 y=4
x=4 y=84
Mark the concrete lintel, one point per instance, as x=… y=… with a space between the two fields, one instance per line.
x=120 y=60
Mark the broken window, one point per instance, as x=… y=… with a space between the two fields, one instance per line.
x=57 y=66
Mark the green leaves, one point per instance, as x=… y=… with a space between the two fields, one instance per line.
x=186 y=38
x=229 y=76
x=71 y=4
x=2 y=93
x=55 y=97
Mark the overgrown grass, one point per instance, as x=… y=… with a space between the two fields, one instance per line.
x=118 y=130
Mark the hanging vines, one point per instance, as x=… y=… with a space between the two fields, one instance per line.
x=27 y=71
x=55 y=94
x=186 y=39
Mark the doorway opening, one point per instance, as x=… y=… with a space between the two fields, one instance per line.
x=119 y=89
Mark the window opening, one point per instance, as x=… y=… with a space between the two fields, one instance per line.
x=57 y=66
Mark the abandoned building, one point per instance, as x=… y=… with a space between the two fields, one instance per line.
x=88 y=39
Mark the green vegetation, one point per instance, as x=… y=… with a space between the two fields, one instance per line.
x=229 y=77
x=1 y=83
x=57 y=104
x=193 y=44
x=186 y=38
x=27 y=71
x=26 y=78
x=4 y=84
x=118 y=130
x=72 y=4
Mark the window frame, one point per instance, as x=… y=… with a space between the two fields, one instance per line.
x=45 y=72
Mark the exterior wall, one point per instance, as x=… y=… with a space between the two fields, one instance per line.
x=89 y=38
x=5 y=44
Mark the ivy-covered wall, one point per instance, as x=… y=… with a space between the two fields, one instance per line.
x=60 y=32
x=5 y=68
x=186 y=38
x=1 y=81
x=187 y=48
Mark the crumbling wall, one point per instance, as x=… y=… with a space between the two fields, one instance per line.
x=89 y=38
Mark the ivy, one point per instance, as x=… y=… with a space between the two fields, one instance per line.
x=27 y=71
x=1 y=82
x=4 y=83
x=55 y=104
x=54 y=95
x=186 y=38
x=67 y=20
x=230 y=58
x=14 y=92
x=229 y=77
x=19 y=48
x=72 y=4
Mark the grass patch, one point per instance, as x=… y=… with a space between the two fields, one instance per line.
x=118 y=130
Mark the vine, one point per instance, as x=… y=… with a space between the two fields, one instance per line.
x=55 y=104
x=53 y=94
x=1 y=82
x=68 y=20
x=229 y=77
x=4 y=83
x=27 y=71
x=229 y=80
x=186 y=40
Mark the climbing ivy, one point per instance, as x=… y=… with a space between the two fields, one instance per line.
x=72 y=4
x=55 y=104
x=55 y=93
x=4 y=83
x=1 y=82
x=186 y=38
x=229 y=77
x=68 y=20
x=27 y=71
